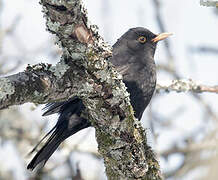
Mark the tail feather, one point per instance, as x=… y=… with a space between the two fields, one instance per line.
x=59 y=135
x=69 y=123
x=36 y=146
x=46 y=151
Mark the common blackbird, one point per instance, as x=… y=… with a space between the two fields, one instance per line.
x=133 y=57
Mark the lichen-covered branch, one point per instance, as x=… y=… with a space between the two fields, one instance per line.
x=186 y=85
x=84 y=71
x=209 y=3
x=42 y=83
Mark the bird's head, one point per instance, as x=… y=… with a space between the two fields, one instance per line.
x=135 y=50
x=140 y=41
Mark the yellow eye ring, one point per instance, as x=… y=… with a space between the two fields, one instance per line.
x=142 y=39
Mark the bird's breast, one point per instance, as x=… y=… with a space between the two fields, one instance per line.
x=140 y=95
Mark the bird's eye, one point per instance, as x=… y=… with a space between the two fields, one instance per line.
x=142 y=39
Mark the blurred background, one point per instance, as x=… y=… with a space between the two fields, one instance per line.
x=182 y=128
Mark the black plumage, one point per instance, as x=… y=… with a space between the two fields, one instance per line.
x=133 y=56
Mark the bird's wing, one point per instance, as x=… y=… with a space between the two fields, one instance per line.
x=52 y=108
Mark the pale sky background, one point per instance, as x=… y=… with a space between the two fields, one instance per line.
x=191 y=24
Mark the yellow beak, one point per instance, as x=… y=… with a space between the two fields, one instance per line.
x=161 y=36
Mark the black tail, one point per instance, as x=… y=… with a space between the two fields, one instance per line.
x=68 y=124
x=58 y=136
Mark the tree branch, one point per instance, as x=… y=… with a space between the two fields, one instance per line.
x=209 y=3
x=84 y=71
x=40 y=84
x=186 y=85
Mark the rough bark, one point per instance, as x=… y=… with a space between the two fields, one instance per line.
x=84 y=71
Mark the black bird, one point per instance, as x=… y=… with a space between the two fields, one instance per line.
x=133 y=56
